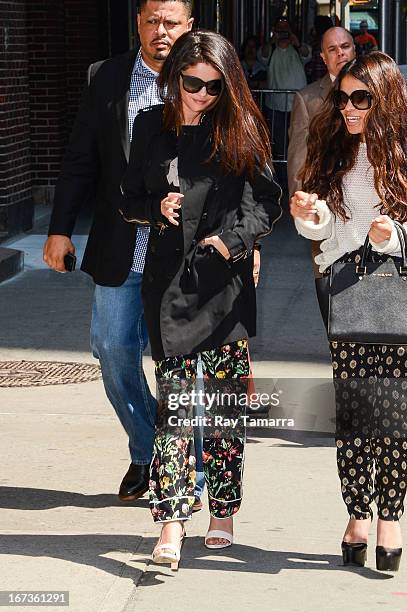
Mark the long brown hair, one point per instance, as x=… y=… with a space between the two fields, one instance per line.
x=240 y=135
x=332 y=150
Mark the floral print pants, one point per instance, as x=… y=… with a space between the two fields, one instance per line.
x=172 y=473
x=371 y=424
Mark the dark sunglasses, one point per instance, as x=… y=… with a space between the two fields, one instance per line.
x=192 y=85
x=361 y=99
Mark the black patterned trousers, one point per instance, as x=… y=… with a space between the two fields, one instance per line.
x=172 y=472
x=371 y=424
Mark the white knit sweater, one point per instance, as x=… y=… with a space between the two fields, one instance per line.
x=361 y=199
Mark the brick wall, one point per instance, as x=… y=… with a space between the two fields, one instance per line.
x=45 y=48
x=15 y=161
x=62 y=41
x=47 y=76
x=81 y=48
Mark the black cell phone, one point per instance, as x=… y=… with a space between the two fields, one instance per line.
x=70 y=262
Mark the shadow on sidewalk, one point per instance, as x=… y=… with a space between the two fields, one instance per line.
x=90 y=549
x=50 y=311
x=22 y=498
x=302 y=439
x=94 y=550
x=253 y=560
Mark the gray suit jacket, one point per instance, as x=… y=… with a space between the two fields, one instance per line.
x=307 y=103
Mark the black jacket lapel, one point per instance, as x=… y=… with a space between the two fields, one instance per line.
x=193 y=153
x=122 y=103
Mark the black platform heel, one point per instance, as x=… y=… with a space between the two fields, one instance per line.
x=388 y=559
x=354 y=553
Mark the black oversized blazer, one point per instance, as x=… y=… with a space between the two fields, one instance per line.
x=94 y=164
x=194 y=299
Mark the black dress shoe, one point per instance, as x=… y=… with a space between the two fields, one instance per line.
x=135 y=482
x=197 y=504
x=388 y=559
x=354 y=553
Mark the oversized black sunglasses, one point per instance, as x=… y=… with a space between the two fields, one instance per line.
x=360 y=98
x=192 y=84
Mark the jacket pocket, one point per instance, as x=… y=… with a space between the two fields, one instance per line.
x=210 y=270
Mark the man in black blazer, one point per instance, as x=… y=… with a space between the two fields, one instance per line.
x=94 y=164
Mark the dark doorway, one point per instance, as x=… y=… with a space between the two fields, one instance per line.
x=114 y=27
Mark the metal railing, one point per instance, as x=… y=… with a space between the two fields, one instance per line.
x=275 y=104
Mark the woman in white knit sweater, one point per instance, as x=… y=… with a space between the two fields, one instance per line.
x=355 y=183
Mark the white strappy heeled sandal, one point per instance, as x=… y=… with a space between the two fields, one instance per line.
x=216 y=533
x=169 y=553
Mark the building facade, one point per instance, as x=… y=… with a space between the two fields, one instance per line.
x=46 y=46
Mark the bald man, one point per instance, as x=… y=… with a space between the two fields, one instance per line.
x=337 y=49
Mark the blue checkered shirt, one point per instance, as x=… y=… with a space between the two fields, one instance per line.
x=143 y=93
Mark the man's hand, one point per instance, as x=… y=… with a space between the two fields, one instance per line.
x=219 y=245
x=55 y=249
x=380 y=229
x=256 y=266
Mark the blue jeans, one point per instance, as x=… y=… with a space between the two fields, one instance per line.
x=198 y=436
x=118 y=339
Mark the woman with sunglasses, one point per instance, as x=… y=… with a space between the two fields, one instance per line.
x=355 y=184
x=199 y=175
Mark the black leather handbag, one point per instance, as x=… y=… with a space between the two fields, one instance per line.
x=366 y=303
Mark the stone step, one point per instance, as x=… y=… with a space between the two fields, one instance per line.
x=11 y=263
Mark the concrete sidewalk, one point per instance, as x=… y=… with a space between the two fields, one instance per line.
x=63 y=455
